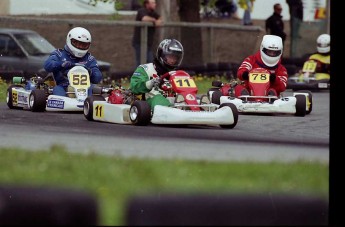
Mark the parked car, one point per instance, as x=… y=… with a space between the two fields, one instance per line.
x=25 y=51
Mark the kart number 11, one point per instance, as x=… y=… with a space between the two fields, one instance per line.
x=184 y=83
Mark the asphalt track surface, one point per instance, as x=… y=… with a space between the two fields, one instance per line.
x=259 y=138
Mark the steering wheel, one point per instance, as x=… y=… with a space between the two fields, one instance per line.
x=165 y=76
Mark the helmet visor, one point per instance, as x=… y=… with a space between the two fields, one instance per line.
x=322 y=44
x=80 y=45
x=172 y=59
x=272 y=53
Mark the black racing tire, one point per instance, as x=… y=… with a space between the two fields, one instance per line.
x=37 y=100
x=140 y=113
x=217 y=83
x=310 y=100
x=88 y=105
x=301 y=103
x=234 y=113
x=9 y=97
x=216 y=97
x=211 y=89
x=97 y=90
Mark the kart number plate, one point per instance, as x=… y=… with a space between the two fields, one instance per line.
x=79 y=80
x=309 y=66
x=188 y=83
x=259 y=77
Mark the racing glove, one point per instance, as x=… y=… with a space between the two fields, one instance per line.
x=272 y=77
x=245 y=75
x=155 y=82
x=67 y=64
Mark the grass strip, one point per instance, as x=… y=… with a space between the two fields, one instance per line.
x=113 y=180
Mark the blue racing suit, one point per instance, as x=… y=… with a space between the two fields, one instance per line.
x=54 y=64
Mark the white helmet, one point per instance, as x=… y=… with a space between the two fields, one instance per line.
x=271 y=49
x=78 y=41
x=323 y=43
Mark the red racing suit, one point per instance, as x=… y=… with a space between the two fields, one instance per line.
x=254 y=61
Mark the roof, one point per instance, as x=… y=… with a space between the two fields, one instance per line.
x=18 y=7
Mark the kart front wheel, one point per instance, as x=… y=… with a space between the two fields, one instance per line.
x=9 y=97
x=309 y=100
x=301 y=103
x=88 y=106
x=140 y=113
x=37 y=100
x=234 y=115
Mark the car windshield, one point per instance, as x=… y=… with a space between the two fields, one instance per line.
x=35 y=44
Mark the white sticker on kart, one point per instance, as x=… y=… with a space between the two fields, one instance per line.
x=58 y=104
x=22 y=99
x=190 y=97
x=323 y=85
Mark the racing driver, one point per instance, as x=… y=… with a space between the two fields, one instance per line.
x=268 y=57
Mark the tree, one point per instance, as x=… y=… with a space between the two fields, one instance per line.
x=190 y=37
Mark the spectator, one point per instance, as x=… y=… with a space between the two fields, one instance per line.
x=274 y=24
x=227 y=8
x=247 y=6
x=148 y=14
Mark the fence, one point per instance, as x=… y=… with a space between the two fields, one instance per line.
x=111 y=40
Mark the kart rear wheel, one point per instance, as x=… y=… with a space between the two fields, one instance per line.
x=96 y=90
x=309 y=100
x=88 y=105
x=37 y=100
x=9 y=97
x=140 y=113
x=216 y=97
x=234 y=114
x=301 y=103
x=217 y=83
x=210 y=91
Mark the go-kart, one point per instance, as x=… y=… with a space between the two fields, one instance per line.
x=307 y=78
x=77 y=91
x=123 y=107
x=36 y=95
x=258 y=101
x=28 y=94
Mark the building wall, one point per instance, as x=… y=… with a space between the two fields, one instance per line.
x=4 y=7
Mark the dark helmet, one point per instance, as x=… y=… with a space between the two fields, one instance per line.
x=170 y=53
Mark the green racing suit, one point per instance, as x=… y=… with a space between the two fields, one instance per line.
x=138 y=85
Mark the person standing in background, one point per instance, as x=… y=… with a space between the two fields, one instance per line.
x=274 y=24
x=227 y=8
x=148 y=14
x=247 y=6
